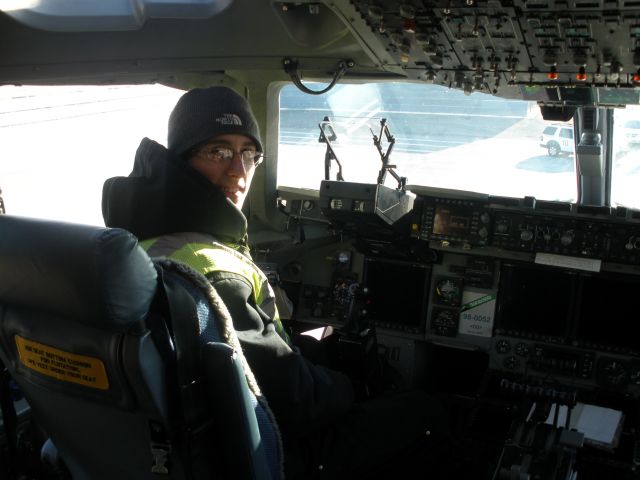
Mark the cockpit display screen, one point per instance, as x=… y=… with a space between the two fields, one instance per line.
x=398 y=293
x=535 y=301
x=608 y=311
x=451 y=221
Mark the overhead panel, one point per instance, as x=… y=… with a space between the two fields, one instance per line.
x=487 y=46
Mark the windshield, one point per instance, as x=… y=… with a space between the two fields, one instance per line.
x=52 y=136
x=625 y=176
x=441 y=138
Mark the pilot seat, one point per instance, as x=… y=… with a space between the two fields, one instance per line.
x=130 y=366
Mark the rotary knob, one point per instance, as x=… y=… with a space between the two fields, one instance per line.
x=502 y=227
x=526 y=235
x=567 y=238
x=511 y=363
x=630 y=243
x=503 y=346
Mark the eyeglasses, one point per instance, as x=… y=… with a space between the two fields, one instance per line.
x=223 y=155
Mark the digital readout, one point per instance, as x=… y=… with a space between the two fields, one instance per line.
x=450 y=222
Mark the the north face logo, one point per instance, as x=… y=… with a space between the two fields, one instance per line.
x=229 y=119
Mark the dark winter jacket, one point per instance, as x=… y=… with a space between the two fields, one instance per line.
x=164 y=197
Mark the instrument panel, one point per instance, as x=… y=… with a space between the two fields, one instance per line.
x=527 y=225
x=564 y=291
x=546 y=289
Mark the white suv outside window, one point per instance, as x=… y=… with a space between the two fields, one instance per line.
x=558 y=139
x=631 y=132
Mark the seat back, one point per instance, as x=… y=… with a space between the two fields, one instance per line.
x=88 y=331
x=245 y=427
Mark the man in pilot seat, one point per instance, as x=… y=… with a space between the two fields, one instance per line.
x=184 y=202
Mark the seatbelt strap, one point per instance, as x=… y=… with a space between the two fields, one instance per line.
x=160 y=448
x=183 y=321
x=9 y=417
x=175 y=329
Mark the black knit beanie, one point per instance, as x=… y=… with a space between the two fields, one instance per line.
x=203 y=113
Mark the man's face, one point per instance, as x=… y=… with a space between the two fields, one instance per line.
x=228 y=162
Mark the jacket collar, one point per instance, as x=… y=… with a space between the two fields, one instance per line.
x=164 y=195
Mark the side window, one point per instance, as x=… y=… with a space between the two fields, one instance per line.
x=549 y=130
x=58 y=144
x=625 y=176
x=566 y=133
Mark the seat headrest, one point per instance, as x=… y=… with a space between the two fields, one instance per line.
x=98 y=276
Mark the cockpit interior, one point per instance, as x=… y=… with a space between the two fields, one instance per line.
x=451 y=184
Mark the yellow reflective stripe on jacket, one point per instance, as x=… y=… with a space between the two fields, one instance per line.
x=146 y=244
x=208 y=257
x=216 y=257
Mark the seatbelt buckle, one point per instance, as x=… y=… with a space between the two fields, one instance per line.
x=160 y=452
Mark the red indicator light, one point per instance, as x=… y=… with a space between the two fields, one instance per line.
x=409 y=25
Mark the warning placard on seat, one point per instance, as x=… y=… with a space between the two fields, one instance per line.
x=61 y=365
